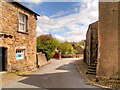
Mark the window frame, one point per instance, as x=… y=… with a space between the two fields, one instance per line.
x=24 y=22
x=20 y=52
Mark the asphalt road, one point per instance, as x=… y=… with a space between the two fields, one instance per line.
x=57 y=74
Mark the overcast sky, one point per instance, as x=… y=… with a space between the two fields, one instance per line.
x=67 y=21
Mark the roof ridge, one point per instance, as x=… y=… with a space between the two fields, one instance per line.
x=20 y=4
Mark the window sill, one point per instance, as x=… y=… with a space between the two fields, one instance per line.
x=19 y=58
x=23 y=32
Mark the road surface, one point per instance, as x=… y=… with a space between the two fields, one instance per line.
x=57 y=74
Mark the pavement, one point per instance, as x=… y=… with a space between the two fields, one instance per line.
x=58 y=74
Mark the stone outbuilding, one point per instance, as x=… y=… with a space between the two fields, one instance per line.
x=91 y=45
x=17 y=37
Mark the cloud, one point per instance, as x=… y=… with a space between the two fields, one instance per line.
x=45 y=22
x=60 y=38
x=39 y=31
x=63 y=13
x=31 y=1
x=77 y=23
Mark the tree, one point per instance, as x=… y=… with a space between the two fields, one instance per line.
x=82 y=43
x=66 y=48
x=47 y=44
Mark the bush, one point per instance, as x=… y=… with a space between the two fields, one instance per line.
x=47 y=45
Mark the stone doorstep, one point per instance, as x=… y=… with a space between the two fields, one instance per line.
x=3 y=72
x=89 y=82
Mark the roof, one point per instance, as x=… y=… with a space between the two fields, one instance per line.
x=26 y=8
x=91 y=25
x=94 y=23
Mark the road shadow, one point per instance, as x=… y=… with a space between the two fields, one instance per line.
x=44 y=81
x=65 y=80
x=52 y=80
x=66 y=67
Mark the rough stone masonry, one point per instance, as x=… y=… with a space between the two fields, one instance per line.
x=11 y=39
x=108 y=39
x=91 y=44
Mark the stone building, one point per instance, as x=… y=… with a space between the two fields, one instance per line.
x=91 y=45
x=17 y=37
x=108 y=33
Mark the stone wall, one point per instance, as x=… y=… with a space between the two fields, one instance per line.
x=94 y=42
x=87 y=46
x=18 y=40
x=41 y=59
x=109 y=26
x=119 y=39
x=91 y=43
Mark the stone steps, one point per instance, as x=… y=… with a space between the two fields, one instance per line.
x=92 y=69
x=94 y=65
x=93 y=73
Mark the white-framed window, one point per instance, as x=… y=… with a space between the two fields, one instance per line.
x=20 y=53
x=22 y=22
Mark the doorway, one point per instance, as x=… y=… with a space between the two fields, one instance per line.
x=3 y=59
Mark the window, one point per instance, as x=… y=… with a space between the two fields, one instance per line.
x=22 y=22
x=20 y=54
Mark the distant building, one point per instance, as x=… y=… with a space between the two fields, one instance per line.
x=91 y=45
x=17 y=37
x=79 y=49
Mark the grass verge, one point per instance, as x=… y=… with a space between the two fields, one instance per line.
x=93 y=80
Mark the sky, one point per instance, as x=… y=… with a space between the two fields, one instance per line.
x=66 y=21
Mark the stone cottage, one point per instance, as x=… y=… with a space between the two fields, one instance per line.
x=17 y=37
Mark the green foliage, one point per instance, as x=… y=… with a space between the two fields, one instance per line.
x=66 y=48
x=47 y=44
x=80 y=43
x=79 y=46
